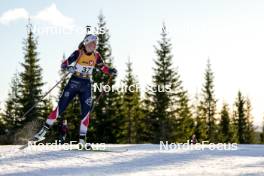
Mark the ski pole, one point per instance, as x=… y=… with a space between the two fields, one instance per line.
x=32 y=107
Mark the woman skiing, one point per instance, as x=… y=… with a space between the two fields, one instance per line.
x=85 y=59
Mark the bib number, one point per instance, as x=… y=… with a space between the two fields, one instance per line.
x=84 y=69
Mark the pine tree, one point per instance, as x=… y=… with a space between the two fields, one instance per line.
x=233 y=128
x=11 y=115
x=104 y=125
x=2 y=123
x=64 y=81
x=164 y=93
x=147 y=109
x=208 y=104
x=30 y=91
x=133 y=125
x=240 y=116
x=4 y=139
x=250 y=132
x=200 y=121
x=48 y=106
x=185 y=123
x=225 y=127
x=30 y=79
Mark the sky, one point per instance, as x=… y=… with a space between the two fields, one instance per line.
x=228 y=32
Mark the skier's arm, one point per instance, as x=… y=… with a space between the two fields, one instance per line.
x=73 y=57
x=103 y=67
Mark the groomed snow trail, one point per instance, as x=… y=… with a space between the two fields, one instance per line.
x=140 y=159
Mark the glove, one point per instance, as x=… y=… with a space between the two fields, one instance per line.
x=71 y=69
x=113 y=72
x=64 y=66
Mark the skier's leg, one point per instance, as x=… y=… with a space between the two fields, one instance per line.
x=68 y=94
x=66 y=97
x=86 y=104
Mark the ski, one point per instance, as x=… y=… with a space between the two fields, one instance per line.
x=103 y=150
x=30 y=142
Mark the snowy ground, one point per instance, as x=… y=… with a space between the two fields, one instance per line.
x=139 y=160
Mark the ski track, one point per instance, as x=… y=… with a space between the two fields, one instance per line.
x=140 y=159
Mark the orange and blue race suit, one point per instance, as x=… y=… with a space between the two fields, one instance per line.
x=79 y=84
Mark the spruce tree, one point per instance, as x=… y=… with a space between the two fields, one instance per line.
x=208 y=103
x=30 y=79
x=200 y=121
x=147 y=109
x=30 y=91
x=184 y=128
x=64 y=81
x=163 y=96
x=250 y=131
x=133 y=125
x=240 y=116
x=2 y=125
x=225 y=127
x=233 y=128
x=11 y=115
x=4 y=139
x=104 y=125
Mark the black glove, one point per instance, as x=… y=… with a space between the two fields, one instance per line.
x=113 y=72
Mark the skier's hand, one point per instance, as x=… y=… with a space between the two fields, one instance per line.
x=113 y=72
x=63 y=67
x=71 y=69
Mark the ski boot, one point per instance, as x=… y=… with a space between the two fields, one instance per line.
x=40 y=136
x=83 y=145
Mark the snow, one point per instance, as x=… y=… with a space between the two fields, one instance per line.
x=140 y=159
